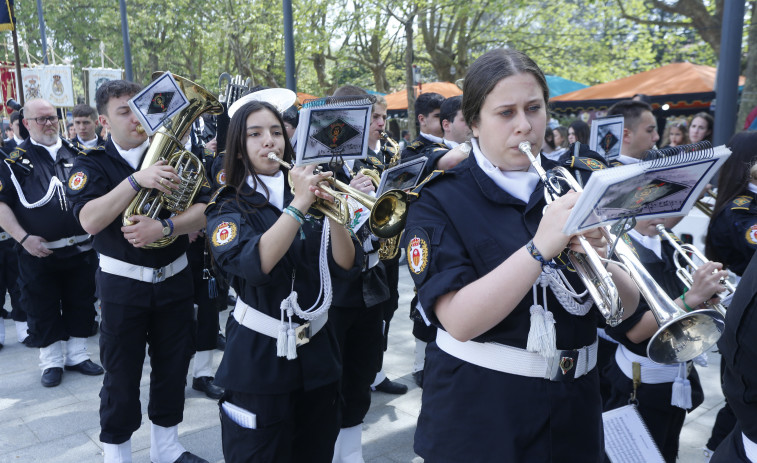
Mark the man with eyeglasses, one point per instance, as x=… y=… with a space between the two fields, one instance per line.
x=56 y=261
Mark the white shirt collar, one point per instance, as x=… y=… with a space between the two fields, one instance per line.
x=433 y=138
x=88 y=143
x=133 y=155
x=53 y=150
x=377 y=147
x=752 y=187
x=623 y=159
x=653 y=243
x=450 y=144
x=275 y=185
x=518 y=184
x=17 y=140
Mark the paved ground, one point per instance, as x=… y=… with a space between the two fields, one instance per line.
x=60 y=425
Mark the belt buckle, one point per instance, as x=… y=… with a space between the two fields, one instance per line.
x=158 y=275
x=4 y=236
x=302 y=334
x=71 y=241
x=564 y=365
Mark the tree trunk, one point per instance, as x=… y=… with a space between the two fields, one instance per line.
x=749 y=94
x=409 y=74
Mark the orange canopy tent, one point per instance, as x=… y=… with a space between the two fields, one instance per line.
x=397 y=101
x=679 y=85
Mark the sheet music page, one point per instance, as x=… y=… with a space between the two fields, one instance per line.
x=627 y=439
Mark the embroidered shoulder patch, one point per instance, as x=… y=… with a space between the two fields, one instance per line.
x=224 y=233
x=215 y=195
x=221 y=177
x=85 y=150
x=741 y=202
x=417 y=252
x=751 y=234
x=375 y=161
x=77 y=180
x=588 y=163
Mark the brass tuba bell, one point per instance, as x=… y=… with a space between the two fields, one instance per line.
x=166 y=145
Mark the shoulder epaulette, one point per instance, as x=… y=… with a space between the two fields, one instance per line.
x=16 y=154
x=87 y=150
x=741 y=202
x=586 y=163
x=435 y=174
x=217 y=194
x=615 y=163
x=375 y=161
x=415 y=145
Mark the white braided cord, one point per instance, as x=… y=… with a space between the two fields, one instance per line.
x=56 y=186
x=564 y=292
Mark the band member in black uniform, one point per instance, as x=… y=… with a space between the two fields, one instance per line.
x=57 y=263
x=85 y=123
x=9 y=284
x=666 y=392
x=732 y=238
x=9 y=145
x=738 y=347
x=146 y=294
x=427 y=111
x=281 y=369
x=358 y=305
x=484 y=255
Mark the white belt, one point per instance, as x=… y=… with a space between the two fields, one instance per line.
x=265 y=324
x=63 y=242
x=566 y=365
x=140 y=273
x=5 y=236
x=651 y=373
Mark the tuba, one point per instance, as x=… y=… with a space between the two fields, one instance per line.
x=682 y=335
x=166 y=145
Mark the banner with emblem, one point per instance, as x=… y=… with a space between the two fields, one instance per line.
x=7 y=20
x=158 y=102
x=95 y=77
x=53 y=83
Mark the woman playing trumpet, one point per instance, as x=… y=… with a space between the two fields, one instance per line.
x=511 y=376
x=281 y=399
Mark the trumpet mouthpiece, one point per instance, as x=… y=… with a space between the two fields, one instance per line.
x=140 y=129
x=273 y=157
x=525 y=147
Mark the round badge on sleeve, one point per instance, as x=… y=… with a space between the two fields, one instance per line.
x=221 y=177
x=224 y=233
x=77 y=180
x=751 y=234
x=417 y=251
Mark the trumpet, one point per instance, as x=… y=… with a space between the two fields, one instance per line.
x=683 y=257
x=682 y=335
x=388 y=212
x=392 y=149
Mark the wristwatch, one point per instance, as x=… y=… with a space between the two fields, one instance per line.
x=167 y=228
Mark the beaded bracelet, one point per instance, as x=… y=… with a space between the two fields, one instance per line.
x=24 y=239
x=295 y=214
x=170 y=224
x=531 y=248
x=133 y=183
x=685 y=305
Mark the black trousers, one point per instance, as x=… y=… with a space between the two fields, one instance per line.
x=358 y=331
x=124 y=332
x=299 y=426
x=58 y=296
x=9 y=281
x=207 y=307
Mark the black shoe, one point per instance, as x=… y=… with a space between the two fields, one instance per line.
x=205 y=384
x=418 y=377
x=390 y=387
x=87 y=367
x=221 y=342
x=187 y=457
x=51 y=376
x=29 y=342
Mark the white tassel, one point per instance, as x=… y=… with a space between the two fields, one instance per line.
x=541 y=335
x=681 y=396
x=281 y=341
x=291 y=344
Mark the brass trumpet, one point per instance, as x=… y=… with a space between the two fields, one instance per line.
x=685 y=267
x=682 y=335
x=388 y=212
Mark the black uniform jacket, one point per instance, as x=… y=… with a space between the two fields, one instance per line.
x=100 y=171
x=732 y=234
x=54 y=220
x=460 y=227
x=250 y=363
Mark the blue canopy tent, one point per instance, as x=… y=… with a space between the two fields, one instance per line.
x=558 y=86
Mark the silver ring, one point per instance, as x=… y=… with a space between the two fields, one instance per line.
x=134 y=241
